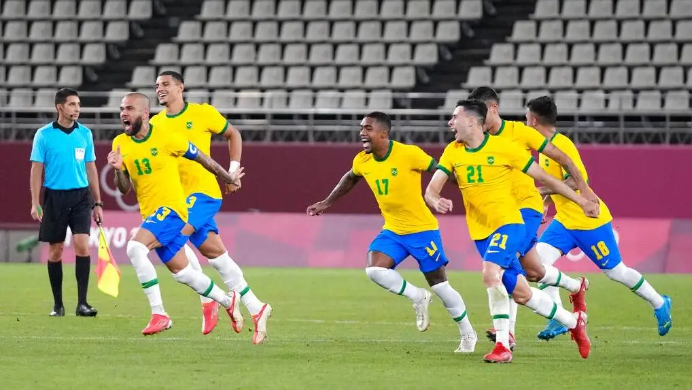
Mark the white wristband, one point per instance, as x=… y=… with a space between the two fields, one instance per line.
x=234 y=166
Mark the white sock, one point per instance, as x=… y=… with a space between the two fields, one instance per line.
x=512 y=316
x=392 y=281
x=548 y=255
x=553 y=277
x=498 y=300
x=542 y=305
x=146 y=273
x=454 y=305
x=202 y=285
x=194 y=263
x=635 y=281
x=553 y=292
x=232 y=276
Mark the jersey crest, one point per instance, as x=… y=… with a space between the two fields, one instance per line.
x=394 y=172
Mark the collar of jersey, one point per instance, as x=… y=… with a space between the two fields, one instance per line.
x=485 y=140
x=502 y=127
x=389 y=151
x=553 y=137
x=178 y=114
x=139 y=141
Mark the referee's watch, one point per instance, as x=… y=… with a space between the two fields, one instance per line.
x=99 y=204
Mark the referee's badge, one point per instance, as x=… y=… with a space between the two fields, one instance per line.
x=188 y=125
x=154 y=151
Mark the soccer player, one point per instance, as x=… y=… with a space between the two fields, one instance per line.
x=483 y=165
x=146 y=159
x=570 y=229
x=197 y=122
x=531 y=204
x=393 y=172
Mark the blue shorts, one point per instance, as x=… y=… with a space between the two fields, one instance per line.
x=598 y=244
x=166 y=225
x=501 y=248
x=532 y=221
x=425 y=247
x=201 y=210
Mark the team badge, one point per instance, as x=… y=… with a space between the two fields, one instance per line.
x=188 y=125
x=491 y=160
x=394 y=172
x=154 y=151
x=547 y=162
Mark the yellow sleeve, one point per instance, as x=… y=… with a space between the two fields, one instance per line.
x=179 y=145
x=571 y=151
x=533 y=139
x=355 y=169
x=216 y=123
x=446 y=164
x=518 y=158
x=420 y=160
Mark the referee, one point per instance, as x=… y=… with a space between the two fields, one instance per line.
x=66 y=149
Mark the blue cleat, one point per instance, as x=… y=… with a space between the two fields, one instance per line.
x=662 y=314
x=553 y=330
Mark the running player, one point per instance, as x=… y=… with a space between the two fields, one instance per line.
x=146 y=159
x=197 y=122
x=393 y=172
x=531 y=205
x=570 y=229
x=483 y=165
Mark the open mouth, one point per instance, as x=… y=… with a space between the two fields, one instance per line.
x=162 y=96
x=127 y=124
x=366 y=142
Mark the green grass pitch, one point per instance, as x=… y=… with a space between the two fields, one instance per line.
x=331 y=328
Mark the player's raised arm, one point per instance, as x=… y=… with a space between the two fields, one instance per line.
x=218 y=124
x=345 y=185
x=212 y=166
x=433 y=190
x=122 y=178
x=591 y=209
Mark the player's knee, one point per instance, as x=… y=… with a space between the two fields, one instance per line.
x=55 y=251
x=547 y=254
x=136 y=249
x=374 y=273
x=617 y=273
x=491 y=278
x=535 y=274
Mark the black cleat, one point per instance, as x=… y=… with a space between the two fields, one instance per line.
x=58 y=312
x=84 y=310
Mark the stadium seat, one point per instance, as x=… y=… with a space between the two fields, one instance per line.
x=70 y=76
x=418 y=9
x=666 y=54
x=593 y=101
x=512 y=100
x=654 y=9
x=582 y=54
x=677 y=100
x=470 y=10
x=561 y=77
x=399 y=54
x=91 y=31
x=275 y=98
x=637 y=54
x=212 y=9
x=16 y=31
x=506 y=77
x=600 y=9
x=643 y=77
x=533 y=77
x=529 y=54
x=681 y=9
x=632 y=31
x=444 y=9
x=686 y=55
x=501 y=54
x=546 y=9
x=346 y=54
x=272 y=77
x=292 y=31
x=18 y=75
x=238 y=10
x=395 y=31
x=671 y=77
x=324 y=77
x=479 y=76
x=648 y=101
x=392 y=9
x=578 y=31
x=340 y=9
x=322 y=54
x=621 y=100
x=301 y=99
x=249 y=99
x=68 y=54
x=21 y=97
x=289 y=9
x=588 y=77
x=328 y=99
x=369 y=31
x=298 y=77
x=191 y=54
x=447 y=32
x=89 y=10
x=45 y=75
x=43 y=54
x=453 y=96
x=551 y=31
x=315 y=9
x=94 y=54
x=425 y=55
x=114 y=10
x=243 y=54
x=660 y=30
x=627 y=9
x=263 y=9
x=142 y=76
x=377 y=77
x=17 y=53
x=215 y=31
x=117 y=31
x=140 y=10
x=605 y=31
x=246 y=77
x=556 y=54
x=64 y=9
x=354 y=99
x=567 y=101
x=350 y=77
x=39 y=9
x=573 y=9
x=524 y=31
x=610 y=54
x=242 y=32
x=422 y=31
x=221 y=76
x=269 y=54
x=166 y=53
x=45 y=98
x=318 y=31
x=223 y=98
x=295 y=54
x=217 y=54
x=380 y=100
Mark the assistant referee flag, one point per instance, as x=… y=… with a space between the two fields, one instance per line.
x=106 y=269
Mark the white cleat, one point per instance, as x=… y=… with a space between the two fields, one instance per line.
x=421 y=308
x=468 y=343
x=260 y=322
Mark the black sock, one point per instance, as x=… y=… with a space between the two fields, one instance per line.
x=81 y=272
x=55 y=276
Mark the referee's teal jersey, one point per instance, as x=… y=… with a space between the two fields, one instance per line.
x=64 y=153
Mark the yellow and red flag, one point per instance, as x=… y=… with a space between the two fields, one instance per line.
x=106 y=268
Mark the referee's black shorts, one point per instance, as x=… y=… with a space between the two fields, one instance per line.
x=63 y=208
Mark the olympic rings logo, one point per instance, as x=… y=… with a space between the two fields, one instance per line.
x=113 y=191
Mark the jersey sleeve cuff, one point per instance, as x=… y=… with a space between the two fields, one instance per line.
x=528 y=164
x=355 y=174
x=543 y=145
x=445 y=170
x=224 y=129
x=431 y=166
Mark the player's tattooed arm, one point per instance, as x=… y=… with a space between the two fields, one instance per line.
x=212 y=166
x=545 y=191
x=591 y=209
x=345 y=185
x=552 y=152
x=122 y=181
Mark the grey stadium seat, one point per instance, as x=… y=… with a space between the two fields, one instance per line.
x=627 y=9
x=425 y=54
x=418 y=9
x=512 y=99
x=243 y=53
x=94 y=54
x=269 y=54
x=530 y=95
x=649 y=101
x=600 y=9
x=68 y=53
x=643 y=77
x=324 y=77
x=189 y=31
x=395 y=31
x=556 y=54
x=301 y=99
x=392 y=9
x=18 y=75
x=192 y=53
x=350 y=77
x=683 y=30
x=117 y=31
x=506 y=77
x=422 y=31
x=45 y=75
x=444 y=9
x=573 y=9
x=115 y=10
x=638 y=54
x=43 y=54
x=142 y=76
x=328 y=99
x=546 y=9
x=64 y=9
x=524 y=31
x=561 y=77
x=566 y=101
x=272 y=77
x=677 y=100
x=655 y=9
x=292 y=31
x=166 y=53
x=195 y=76
x=660 y=30
x=212 y=9
x=21 y=97
x=343 y=31
x=578 y=31
x=89 y=10
x=593 y=101
x=263 y=9
x=197 y=96
x=264 y=31
x=369 y=31
x=221 y=76
x=403 y=77
x=41 y=31
x=249 y=99
x=346 y=54
x=218 y=54
x=340 y=9
x=295 y=54
x=380 y=100
x=399 y=54
x=377 y=77
x=315 y=9
x=470 y=10
x=215 y=31
x=39 y=9
x=681 y=9
x=671 y=77
x=298 y=77
x=666 y=54
x=479 y=76
x=289 y=9
x=610 y=54
x=501 y=54
x=615 y=77
x=238 y=10
x=323 y=53
x=246 y=76
x=275 y=98
x=529 y=54
x=551 y=31
x=621 y=100
x=14 y=9
x=223 y=98
x=632 y=30
x=583 y=54
x=115 y=96
x=588 y=77
x=533 y=77
x=354 y=99
x=366 y=9
x=447 y=32
x=604 y=31
x=686 y=55
x=17 y=53
x=16 y=30
x=45 y=98
x=453 y=96
x=318 y=31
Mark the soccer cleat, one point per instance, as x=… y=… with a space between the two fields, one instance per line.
x=578 y=299
x=260 y=322
x=553 y=330
x=210 y=316
x=237 y=320
x=84 y=310
x=421 y=308
x=662 y=314
x=499 y=354
x=490 y=334
x=58 y=312
x=579 y=335
x=468 y=343
x=157 y=324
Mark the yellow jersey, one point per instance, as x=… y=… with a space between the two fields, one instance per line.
x=197 y=122
x=395 y=181
x=528 y=138
x=152 y=164
x=485 y=178
x=567 y=212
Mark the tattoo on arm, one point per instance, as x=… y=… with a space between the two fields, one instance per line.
x=346 y=184
x=122 y=181
x=212 y=166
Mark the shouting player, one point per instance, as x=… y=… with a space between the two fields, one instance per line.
x=483 y=165
x=197 y=122
x=393 y=172
x=531 y=204
x=570 y=229
x=146 y=159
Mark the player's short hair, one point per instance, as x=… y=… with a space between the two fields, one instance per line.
x=484 y=94
x=176 y=76
x=62 y=95
x=544 y=109
x=475 y=107
x=141 y=96
x=382 y=118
